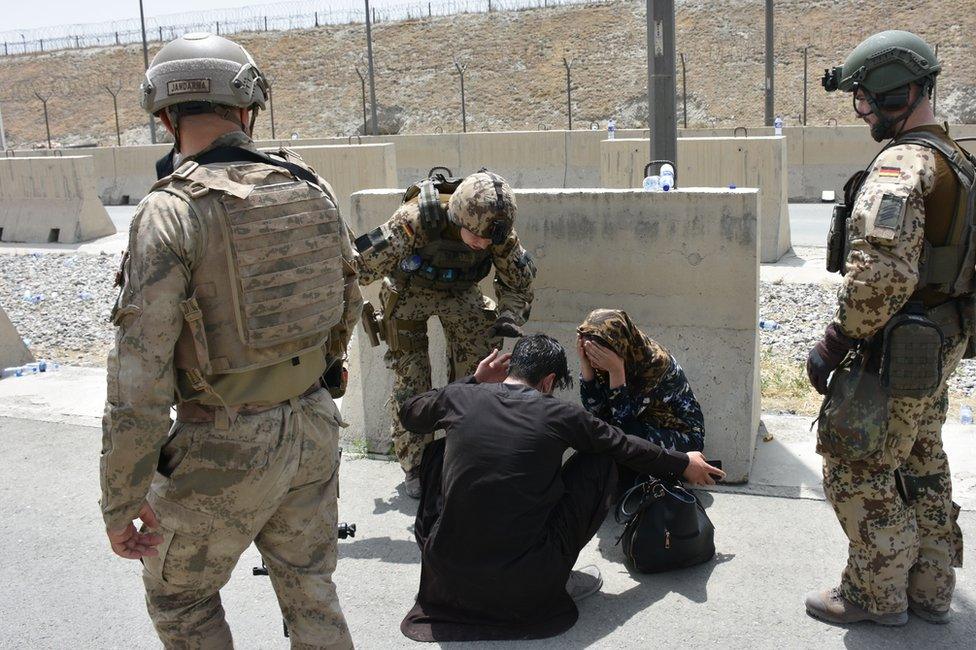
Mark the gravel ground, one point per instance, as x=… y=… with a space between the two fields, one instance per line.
x=71 y=324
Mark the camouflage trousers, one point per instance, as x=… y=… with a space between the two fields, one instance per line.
x=901 y=550
x=466 y=317
x=271 y=479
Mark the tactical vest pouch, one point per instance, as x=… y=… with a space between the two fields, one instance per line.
x=837 y=239
x=911 y=358
x=853 y=421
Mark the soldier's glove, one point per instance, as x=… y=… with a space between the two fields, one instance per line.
x=506 y=327
x=827 y=355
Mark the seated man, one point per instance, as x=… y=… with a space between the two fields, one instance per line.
x=501 y=520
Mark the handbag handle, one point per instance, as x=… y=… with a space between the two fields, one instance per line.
x=653 y=490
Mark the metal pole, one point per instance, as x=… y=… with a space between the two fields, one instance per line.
x=661 y=95
x=115 y=105
x=769 y=63
x=362 y=84
x=372 y=75
x=47 y=125
x=271 y=108
x=3 y=135
x=684 y=91
x=464 y=109
x=807 y=47
x=569 y=92
x=145 y=61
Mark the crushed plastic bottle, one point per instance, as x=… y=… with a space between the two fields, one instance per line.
x=611 y=129
x=33 y=298
x=652 y=184
x=768 y=325
x=965 y=415
x=85 y=295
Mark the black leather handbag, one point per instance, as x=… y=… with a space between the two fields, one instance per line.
x=666 y=528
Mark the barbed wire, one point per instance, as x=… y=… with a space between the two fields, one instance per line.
x=280 y=16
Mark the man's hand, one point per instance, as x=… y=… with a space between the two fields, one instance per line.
x=699 y=472
x=586 y=368
x=506 y=327
x=826 y=356
x=493 y=368
x=133 y=545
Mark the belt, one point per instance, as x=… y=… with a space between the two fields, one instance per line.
x=197 y=412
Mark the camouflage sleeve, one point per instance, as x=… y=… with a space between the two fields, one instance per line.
x=886 y=232
x=381 y=249
x=514 y=272
x=141 y=376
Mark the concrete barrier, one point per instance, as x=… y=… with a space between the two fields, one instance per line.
x=13 y=352
x=350 y=169
x=717 y=162
x=48 y=200
x=688 y=278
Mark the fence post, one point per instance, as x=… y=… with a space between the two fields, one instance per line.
x=218 y=28
x=271 y=106
x=430 y=12
x=569 y=91
x=77 y=46
x=42 y=44
x=115 y=105
x=47 y=124
x=464 y=108
x=316 y=19
x=265 y=23
x=5 y=52
x=362 y=83
x=116 y=38
x=684 y=90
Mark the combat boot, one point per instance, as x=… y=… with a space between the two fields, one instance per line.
x=832 y=607
x=930 y=615
x=411 y=482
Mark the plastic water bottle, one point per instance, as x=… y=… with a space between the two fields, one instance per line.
x=85 y=295
x=652 y=184
x=965 y=415
x=611 y=129
x=667 y=177
x=13 y=371
x=778 y=125
x=768 y=325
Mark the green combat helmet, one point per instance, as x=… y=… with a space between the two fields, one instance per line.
x=884 y=66
x=203 y=73
x=484 y=204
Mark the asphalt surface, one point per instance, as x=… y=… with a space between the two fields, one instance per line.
x=62 y=587
x=809 y=223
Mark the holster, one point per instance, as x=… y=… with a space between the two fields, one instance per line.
x=372 y=324
x=837 y=239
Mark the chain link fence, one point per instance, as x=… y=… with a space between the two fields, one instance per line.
x=279 y=16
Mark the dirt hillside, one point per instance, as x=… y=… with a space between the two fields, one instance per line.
x=515 y=77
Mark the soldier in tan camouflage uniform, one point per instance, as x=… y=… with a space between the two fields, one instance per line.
x=909 y=273
x=238 y=295
x=431 y=255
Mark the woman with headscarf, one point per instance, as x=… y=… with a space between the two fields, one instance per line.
x=631 y=381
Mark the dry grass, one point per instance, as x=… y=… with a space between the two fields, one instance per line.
x=515 y=76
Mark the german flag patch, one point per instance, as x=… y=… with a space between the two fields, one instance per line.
x=889 y=172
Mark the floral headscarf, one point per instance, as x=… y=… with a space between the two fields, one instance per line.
x=645 y=360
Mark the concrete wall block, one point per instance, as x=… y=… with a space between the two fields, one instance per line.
x=39 y=195
x=349 y=169
x=13 y=352
x=717 y=162
x=688 y=279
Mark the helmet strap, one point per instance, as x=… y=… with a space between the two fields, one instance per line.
x=889 y=127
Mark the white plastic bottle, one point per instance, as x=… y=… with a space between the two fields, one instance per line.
x=778 y=125
x=611 y=129
x=652 y=184
x=667 y=177
x=965 y=415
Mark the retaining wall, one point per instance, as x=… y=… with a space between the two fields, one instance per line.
x=13 y=352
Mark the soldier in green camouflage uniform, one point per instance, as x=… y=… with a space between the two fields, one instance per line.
x=894 y=500
x=238 y=292
x=431 y=254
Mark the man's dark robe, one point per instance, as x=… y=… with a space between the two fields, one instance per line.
x=501 y=530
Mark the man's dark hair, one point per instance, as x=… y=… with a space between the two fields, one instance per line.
x=536 y=356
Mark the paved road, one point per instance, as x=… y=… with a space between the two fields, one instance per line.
x=809 y=223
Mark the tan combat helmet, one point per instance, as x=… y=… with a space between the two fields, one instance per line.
x=204 y=71
x=484 y=204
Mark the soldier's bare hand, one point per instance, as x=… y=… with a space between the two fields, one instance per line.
x=493 y=368
x=130 y=544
